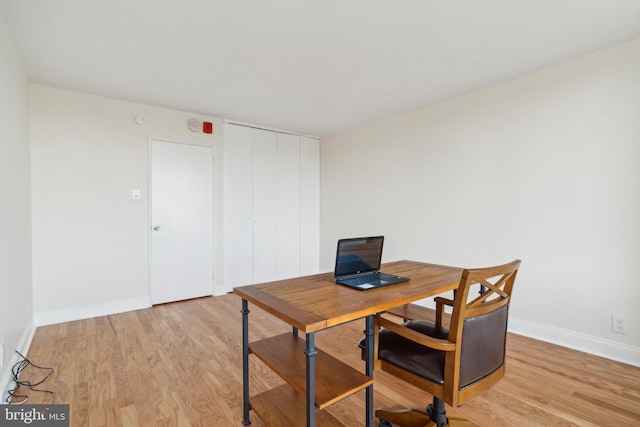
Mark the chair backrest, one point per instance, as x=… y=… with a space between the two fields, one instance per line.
x=479 y=325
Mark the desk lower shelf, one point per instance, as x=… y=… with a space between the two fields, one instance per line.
x=335 y=380
x=284 y=407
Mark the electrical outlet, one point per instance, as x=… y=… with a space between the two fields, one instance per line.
x=619 y=324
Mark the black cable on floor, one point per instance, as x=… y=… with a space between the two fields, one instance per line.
x=16 y=370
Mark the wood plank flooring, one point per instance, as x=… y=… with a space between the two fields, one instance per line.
x=180 y=364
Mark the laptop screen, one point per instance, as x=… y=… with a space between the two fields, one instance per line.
x=358 y=255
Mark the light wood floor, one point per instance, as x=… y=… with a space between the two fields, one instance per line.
x=180 y=365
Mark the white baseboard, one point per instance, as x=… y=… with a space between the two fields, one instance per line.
x=588 y=344
x=50 y=317
x=220 y=291
x=23 y=348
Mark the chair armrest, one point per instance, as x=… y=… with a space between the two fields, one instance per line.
x=440 y=303
x=442 y=300
x=415 y=336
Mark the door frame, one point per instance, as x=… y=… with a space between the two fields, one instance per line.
x=214 y=202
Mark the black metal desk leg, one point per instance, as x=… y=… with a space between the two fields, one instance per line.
x=245 y=363
x=368 y=336
x=311 y=352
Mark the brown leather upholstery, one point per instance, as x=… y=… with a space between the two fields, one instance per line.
x=482 y=351
x=483 y=345
x=413 y=357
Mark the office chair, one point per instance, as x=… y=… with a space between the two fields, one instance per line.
x=454 y=364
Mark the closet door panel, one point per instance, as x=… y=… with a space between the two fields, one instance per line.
x=271 y=205
x=265 y=207
x=309 y=206
x=237 y=199
x=288 y=195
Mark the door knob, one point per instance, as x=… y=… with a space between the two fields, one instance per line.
x=156 y=228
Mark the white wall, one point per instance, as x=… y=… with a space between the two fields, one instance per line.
x=16 y=325
x=90 y=240
x=545 y=168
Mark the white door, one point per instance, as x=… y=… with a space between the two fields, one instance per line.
x=181 y=221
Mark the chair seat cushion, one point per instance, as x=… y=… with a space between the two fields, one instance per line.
x=411 y=356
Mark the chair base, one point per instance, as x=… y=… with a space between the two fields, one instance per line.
x=416 y=418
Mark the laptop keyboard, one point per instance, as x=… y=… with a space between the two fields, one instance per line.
x=363 y=279
x=370 y=278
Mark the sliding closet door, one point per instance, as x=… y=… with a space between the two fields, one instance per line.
x=238 y=211
x=271 y=205
x=288 y=195
x=309 y=206
x=265 y=205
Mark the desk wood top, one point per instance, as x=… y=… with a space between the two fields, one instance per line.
x=316 y=302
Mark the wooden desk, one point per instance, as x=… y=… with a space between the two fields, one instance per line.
x=311 y=304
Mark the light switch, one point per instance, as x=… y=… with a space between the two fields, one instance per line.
x=135 y=194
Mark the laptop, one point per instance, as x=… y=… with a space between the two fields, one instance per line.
x=358 y=264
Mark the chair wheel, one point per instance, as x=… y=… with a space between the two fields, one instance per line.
x=383 y=423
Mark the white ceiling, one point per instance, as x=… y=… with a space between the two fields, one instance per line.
x=314 y=67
